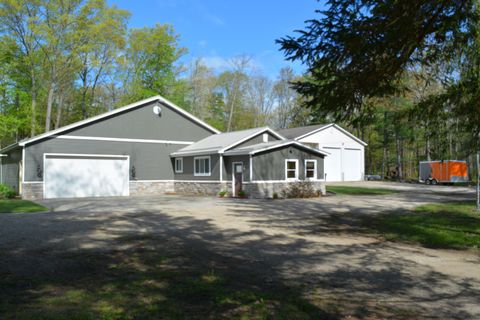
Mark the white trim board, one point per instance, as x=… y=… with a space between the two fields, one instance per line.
x=86 y=155
x=260 y=130
x=123 y=139
x=286 y=143
x=119 y=110
x=336 y=126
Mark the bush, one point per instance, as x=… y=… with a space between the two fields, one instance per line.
x=222 y=193
x=275 y=195
x=301 y=189
x=242 y=194
x=6 y=192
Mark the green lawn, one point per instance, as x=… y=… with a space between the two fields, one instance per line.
x=20 y=206
x=359 y=190
x=452 y=225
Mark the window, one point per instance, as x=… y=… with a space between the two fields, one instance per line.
x=311 y=169
x=178 y=165
x=265 y=137
x=202 y=166
x=291 y=169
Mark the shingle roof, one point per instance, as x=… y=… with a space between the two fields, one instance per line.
x=293 y=133
x=217 y=142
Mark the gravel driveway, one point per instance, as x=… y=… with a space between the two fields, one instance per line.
x=315 y=245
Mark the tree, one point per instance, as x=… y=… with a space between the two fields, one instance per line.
x=101 y=31
x=260 y=99
x=151 y=61
x=360 y=48
x=17 y=20
x=232 y=84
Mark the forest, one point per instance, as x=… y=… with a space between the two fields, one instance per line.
x=402 y=76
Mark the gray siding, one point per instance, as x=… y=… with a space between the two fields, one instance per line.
x=227 y=163
x=10 y=168
x=142 y=123
x=151 y=160
x=256 y=140
x=270 y=165
x=188 y=169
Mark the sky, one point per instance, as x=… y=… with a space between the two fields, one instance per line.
x=218 y=30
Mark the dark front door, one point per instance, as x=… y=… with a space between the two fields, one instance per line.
x=238 y=177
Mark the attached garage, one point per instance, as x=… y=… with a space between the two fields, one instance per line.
x=76 y=176
x=122 y=152
x=346 y=159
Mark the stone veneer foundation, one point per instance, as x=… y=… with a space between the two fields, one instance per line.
x=34 y=191
x=210 y=188
x=266 y=189
x=145 y=187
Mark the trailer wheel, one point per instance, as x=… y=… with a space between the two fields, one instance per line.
x=428 y=181
x=434 y=182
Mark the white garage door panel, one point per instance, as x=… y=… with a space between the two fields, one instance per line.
x=74 y=177
x=333 y=164
x=352 y=164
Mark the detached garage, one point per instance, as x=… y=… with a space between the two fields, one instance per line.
x=346 y=160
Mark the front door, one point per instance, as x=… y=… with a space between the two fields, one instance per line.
x=237 y=178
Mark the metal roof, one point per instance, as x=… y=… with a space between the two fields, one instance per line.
x=265 y=146
x=293 y=133
x=221 y=142
x=302 y=132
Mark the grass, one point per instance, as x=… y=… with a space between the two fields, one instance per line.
x=359 y=190
x=20 y=206
x=451 y=225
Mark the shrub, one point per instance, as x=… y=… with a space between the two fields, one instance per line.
x=222 y=193
x=242 y=194
x=275 y=195
x=6 y=192
x=301 y=189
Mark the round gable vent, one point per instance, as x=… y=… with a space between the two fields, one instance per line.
x=157 y=110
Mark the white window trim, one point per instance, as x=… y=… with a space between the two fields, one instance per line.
x=181 y=161
x=195 y=167
x=286 y=169
x=314 y=169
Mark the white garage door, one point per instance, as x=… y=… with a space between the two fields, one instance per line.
x=75 y=176
x=333 y=164
x=352 y=164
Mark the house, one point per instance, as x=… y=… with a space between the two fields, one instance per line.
x=119 y=153
x=259 y=161
x=346 y=160
x=154 y=147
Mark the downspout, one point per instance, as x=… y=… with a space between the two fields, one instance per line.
x=1 y=167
